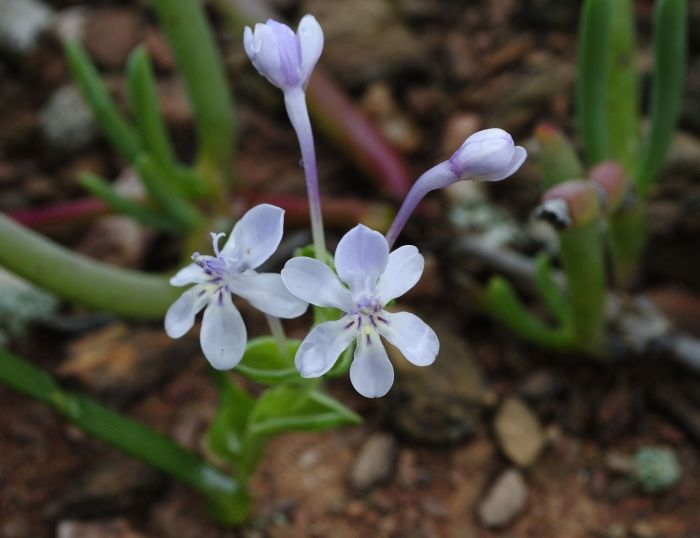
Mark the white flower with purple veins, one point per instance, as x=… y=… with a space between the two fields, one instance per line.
x=254 y=239
x=370 y=277
x=286 y=59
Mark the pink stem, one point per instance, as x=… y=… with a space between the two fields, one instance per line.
x=60 y=213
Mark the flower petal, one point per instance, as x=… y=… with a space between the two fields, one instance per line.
x=250 y=44
x=190 y=274
x=223 y=334
x=411 y=335
x=519 y=156
x=289 y=52
x=316 y=283
x=371 y=372
x=256 y=236
x=487 y=155
x=403 y=271
x=267 y=293
x=323 y=345
x=361 y=258
x=180 y=316
x=311 y=40
x=262 y=49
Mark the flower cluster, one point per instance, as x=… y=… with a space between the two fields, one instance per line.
x=367 y=275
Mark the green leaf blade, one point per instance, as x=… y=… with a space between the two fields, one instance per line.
x=502 y=302
x=129 y=436
x=592 y=81
x=668 y=79
x=262 y=362
x=144 y=102
x=103 y=190
x=286 y=408
x=623 y=87
x=120 y=133
x=169 y=199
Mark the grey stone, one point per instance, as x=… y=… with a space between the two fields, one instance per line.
x=111 y=528
x=504 y=501
x=21 y=24
x=66 y=121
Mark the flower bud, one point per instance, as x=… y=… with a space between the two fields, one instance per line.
x=286 y=59
x=488 y=155
x=571 y=204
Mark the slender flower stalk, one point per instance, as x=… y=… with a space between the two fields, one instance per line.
x=488 y=155
x=295 y=102
x=287 y=59
x=277 y=332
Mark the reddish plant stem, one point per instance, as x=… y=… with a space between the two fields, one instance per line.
x=341 y=213
x=44 y=218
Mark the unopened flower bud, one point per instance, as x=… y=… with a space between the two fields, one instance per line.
x=286 y=59
x=571 y=204
x=488 y=155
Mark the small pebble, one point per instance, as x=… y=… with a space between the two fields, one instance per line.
x=504 y=500
x=111 y=34
x=519 y=432
x=374 y=463
x=21 y=24
x=66 y=121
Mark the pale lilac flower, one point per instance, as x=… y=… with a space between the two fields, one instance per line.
x=488 y=155
x=232 y=270
x=368 y=278
x=286 y=59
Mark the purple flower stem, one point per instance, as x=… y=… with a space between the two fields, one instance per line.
x=295 y=101
x=437 y=177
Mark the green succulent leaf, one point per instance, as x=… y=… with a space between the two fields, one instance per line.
x=591 y=85
x=505 y=306
x=119 y=203
x=225 y=436
x=668 y=79
x=305 y=408
x=118 y=130
x=549 y=290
